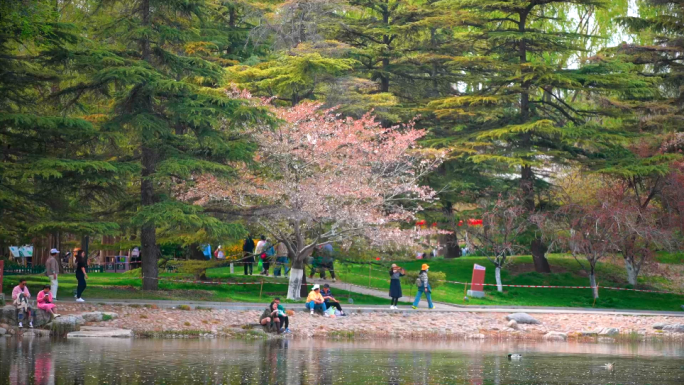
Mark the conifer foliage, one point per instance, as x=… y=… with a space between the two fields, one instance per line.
x=173 y=113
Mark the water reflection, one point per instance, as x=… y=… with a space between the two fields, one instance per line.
x=319 y=362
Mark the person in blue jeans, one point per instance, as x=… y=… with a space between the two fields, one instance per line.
x=423 y=287
x=315 y=301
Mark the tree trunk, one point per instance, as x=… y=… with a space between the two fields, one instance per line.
x=497 y=274
x=592 y=283
x=539 y=249
x=632 y=271
x=148 y=232
x=452 y=248
x=196 y=253
x=297 y=278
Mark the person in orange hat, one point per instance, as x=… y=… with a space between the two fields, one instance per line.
x=423 y=287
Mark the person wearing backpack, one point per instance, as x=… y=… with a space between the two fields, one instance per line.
x=423 y=287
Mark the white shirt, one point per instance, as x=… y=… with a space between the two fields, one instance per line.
x=260 y=247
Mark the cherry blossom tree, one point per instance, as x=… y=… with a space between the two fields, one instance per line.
x=503 y=220
x=322 y=178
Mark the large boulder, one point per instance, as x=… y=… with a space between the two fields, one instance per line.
x=41 y=318
x=8 y=315
x=659 y=326
x=522 y=318
x=64 y=325
x=676 y=328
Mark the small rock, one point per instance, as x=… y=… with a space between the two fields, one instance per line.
x=522 y=318
x=658 y=326
x=676 y=328
x=94 y=316
x=609 y=332
x=586 y=333
x=556 y=336
x=513 y=324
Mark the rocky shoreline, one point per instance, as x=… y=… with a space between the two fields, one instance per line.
x=184 y=322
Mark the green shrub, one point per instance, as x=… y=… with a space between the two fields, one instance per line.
x=435 y=278
x=134 y=272
x=198 y=269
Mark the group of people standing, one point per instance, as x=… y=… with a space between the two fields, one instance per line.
x=265 y=251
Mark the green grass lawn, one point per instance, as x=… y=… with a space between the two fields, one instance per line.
x=123 y=286
x=671 y=258
x=520 y=272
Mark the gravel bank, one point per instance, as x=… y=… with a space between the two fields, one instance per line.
x=151 y=321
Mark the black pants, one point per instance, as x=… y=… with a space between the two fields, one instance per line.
x=394 y=301
x=248 y=265
x=336 y=305
x=81 y=285
x=284 y=321
x=330 y=268
x=266 y=266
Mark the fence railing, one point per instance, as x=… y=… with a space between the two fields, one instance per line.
x=23 y=270
x=89 y=269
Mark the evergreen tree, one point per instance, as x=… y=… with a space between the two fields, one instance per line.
x=176 y=118
x=54 y=172
x=522 y=108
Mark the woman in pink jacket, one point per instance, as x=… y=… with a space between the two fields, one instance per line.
x=44 y=301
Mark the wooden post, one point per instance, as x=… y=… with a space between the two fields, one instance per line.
x=262 y=288
x=232 y=268
x=465 y=291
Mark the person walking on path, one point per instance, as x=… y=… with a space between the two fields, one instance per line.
x=21 y=295
x=423 y=287
x=45 y=301
x=269 y=318
x=315 y=300
x=329 y=300
x=395 y=273
x=52 y=270
x=248 y=252
x=81 y=274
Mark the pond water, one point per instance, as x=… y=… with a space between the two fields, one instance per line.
x=317 y=362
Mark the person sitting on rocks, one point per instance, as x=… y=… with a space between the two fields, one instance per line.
x=282 y=315
x=45 y=301
x=329 y=300
x=315 y=300
x=269 y=318
x=21 y=295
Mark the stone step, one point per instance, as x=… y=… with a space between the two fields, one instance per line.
x=100 y=332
